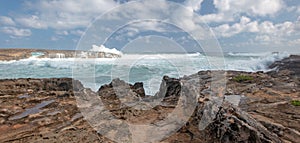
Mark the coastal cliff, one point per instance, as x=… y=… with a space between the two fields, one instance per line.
x=45 y=110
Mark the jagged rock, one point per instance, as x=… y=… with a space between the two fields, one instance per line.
x=290 y=65
x=139 y=89
x=227 y=124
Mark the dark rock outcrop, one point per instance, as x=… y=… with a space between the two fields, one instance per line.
x=290 y=65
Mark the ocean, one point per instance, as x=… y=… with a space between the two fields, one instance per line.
x=146 y=68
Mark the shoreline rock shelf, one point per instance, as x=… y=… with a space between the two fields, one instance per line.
x=18 y=54
x=262 y=109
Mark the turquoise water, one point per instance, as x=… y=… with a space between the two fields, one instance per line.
x=148 y=69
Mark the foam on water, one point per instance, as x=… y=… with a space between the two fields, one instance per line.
x=248 y=54
x=132 y=68
x=253 y=62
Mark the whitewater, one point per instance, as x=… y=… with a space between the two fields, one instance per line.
x=146 y=68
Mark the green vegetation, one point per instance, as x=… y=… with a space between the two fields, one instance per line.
x=241 y=78
x=295 y=102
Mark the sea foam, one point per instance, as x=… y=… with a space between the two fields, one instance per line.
x=147 y=68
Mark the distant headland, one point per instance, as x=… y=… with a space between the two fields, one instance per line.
x=96 y=52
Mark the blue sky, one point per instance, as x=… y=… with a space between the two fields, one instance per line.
x=239 y=25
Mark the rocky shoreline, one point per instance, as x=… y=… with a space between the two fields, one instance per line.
x=19 y=54
x=252 y=107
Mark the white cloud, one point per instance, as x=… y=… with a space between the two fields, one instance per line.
x=230 y=10
x=280 y=29
x=133 y=29
x=294 y=42
x=189 y=21
x=32 y=21
x=267 y=27
x=64 y=14
x=193 y=4
x=77 y=32
x=245 y=20
x=219 y=17
x=6 y=20
x=174 y=14
x=297 y=24
x=53 y=38
x=298 y=9
x=148 y=26
x=253 y=7
x=264 y=28
x=63 y=32
x=12 y=31
x=263 y=38
x=265 y=33
x=245 y=25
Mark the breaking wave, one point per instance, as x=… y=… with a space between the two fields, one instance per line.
x=134 y=67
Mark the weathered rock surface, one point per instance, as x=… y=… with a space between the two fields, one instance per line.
x=257 y=110
x=42 y=110
x=290 y=64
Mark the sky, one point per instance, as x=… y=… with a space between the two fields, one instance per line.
x=237 y=25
